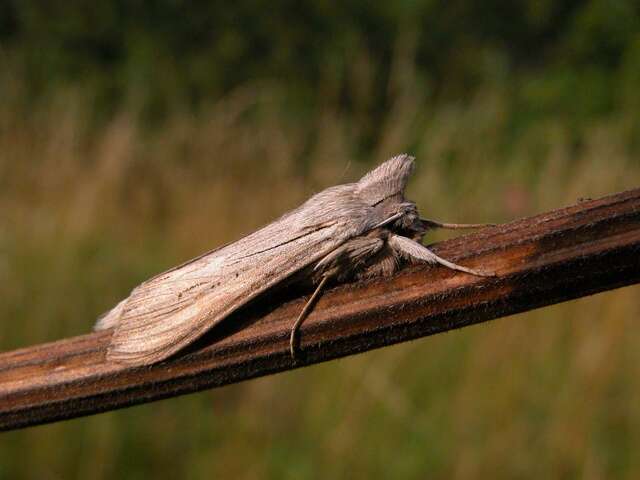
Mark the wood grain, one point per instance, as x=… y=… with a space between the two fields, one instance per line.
x=557 y=256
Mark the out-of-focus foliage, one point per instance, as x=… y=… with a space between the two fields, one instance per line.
x=135 y=135
x=571 y=58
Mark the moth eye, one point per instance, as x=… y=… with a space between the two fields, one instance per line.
x=407 y=220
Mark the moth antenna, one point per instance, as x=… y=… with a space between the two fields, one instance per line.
x=303 y=315
x=426 y=223
x=388 y=220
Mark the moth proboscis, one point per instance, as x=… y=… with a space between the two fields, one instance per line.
x=344 y=233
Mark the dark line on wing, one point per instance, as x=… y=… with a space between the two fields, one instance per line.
x=385 y=198
x=284 y=243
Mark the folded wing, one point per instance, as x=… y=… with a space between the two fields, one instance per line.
x=171 y=310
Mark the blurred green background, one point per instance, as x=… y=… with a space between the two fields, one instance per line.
x=135 y=135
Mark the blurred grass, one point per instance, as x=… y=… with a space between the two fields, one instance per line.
x=88 y=213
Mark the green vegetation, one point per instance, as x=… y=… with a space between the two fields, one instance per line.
x=136 y=135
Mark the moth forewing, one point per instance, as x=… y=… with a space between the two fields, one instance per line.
x=167 y=314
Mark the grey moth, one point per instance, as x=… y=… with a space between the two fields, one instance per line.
x=344 y=233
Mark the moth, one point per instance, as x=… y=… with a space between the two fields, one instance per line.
x=344 y=233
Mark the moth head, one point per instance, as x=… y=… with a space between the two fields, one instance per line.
x=387 y=181
x=408 y=222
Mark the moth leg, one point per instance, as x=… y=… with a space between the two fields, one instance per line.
x=345 y=259
x=304 y=314
x=453 y=226
x=409 y=248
